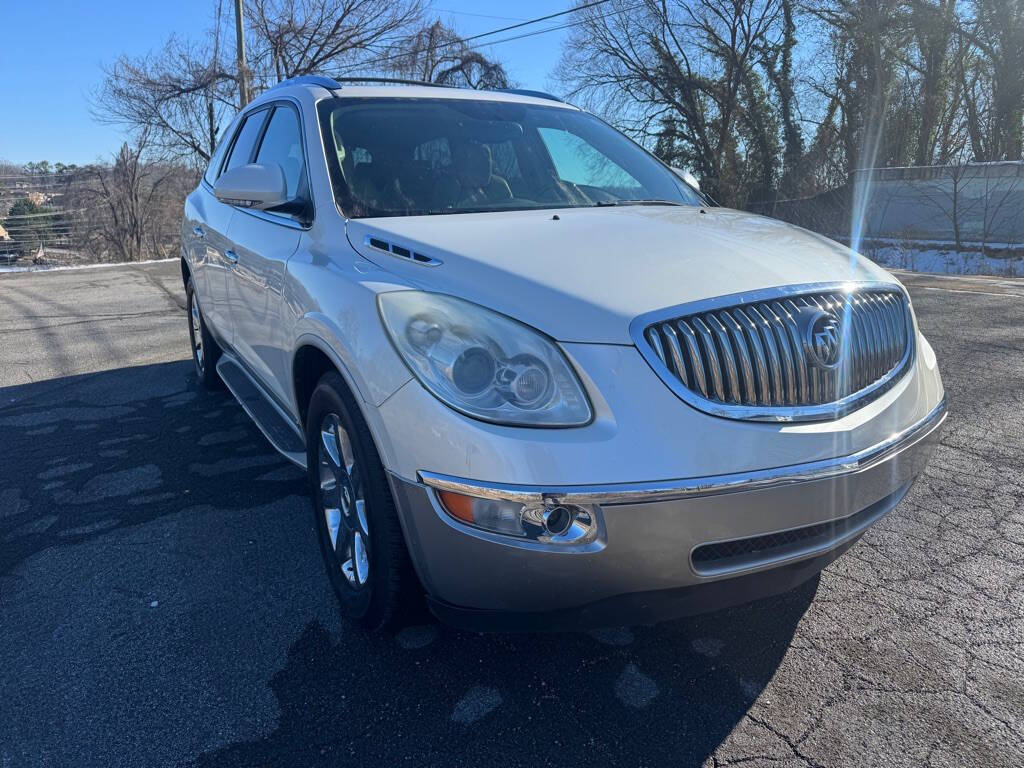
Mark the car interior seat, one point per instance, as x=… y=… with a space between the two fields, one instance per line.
x=472 y=181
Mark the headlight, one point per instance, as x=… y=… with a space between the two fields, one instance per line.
x=481 y=363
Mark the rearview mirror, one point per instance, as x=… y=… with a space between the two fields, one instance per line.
x=252 y=186
x=688 y=177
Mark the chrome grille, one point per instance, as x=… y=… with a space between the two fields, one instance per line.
x=763 y=356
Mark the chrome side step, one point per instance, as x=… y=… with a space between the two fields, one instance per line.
x=272 y=421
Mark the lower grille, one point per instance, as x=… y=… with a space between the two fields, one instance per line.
x=742 y=554
x=784 y=354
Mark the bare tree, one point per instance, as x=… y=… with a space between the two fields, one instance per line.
x=778 y=64
x=958 y=173
x=181 y=98
x=130 y=202
x=1000 y=203
x=864 y=40
x=933 y=27
x=686 y=76
x=436 y=54
x=287 y=38
x=994 y=88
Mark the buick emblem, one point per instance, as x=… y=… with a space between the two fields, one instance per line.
x=823 y=339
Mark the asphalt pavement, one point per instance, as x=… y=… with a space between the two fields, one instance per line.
x=162 y=600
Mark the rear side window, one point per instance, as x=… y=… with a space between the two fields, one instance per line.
x=282 y=145
x=245 y=142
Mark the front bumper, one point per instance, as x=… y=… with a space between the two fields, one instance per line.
x=665 y=549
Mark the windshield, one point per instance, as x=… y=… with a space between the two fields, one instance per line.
x=406 y=157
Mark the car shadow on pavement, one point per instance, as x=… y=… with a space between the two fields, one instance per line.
x=431 y=695
x=139 y=463
x=89 y=454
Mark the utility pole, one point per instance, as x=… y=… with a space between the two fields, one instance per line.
x=243 y=86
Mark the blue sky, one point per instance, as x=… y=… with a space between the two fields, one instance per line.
x=53 y=52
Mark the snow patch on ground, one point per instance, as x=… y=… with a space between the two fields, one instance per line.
x=64 y=267
x=946 y=261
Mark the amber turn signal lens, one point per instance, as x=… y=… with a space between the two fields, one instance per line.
x=495 y=515
x=458 y=506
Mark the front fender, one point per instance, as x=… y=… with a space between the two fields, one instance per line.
x=333 y=306
x=371 y=377
x=332 y=300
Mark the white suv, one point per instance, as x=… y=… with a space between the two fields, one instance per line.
x=534 y=373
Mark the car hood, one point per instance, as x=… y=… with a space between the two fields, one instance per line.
x=583 y=274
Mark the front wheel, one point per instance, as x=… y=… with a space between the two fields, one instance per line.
x=205 y=350
x=354 y=514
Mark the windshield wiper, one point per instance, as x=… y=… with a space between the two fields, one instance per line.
x=603 y=203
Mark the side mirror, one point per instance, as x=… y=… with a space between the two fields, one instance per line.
x=252 y=186
x=688 y=177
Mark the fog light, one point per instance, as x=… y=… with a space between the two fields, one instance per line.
x=557 y=520
x=561 y=523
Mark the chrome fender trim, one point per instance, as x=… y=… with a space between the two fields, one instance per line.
x=711 y=485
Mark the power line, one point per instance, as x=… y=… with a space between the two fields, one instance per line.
x=53 y=176
x=563 y=26
x=464 y=40
x=528 y=22
x=23 y=186
x=44 y=227
x=36 y=236
x=47 y=213
x=478 y=15
x=534 y=21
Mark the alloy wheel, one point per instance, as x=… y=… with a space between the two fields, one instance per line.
x=343 y=503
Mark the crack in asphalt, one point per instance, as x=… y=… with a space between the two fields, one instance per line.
x=175 y=297
x=93 y=319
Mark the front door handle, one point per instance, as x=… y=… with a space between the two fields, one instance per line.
x=231 y=256
x=198 y=231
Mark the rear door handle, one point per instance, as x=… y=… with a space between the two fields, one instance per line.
x=231 y=256
x=198 y=231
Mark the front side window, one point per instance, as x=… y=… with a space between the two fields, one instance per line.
x=218 y=155
x=245 y=142
x=405 y=157
x=579 y=162
x=282 y=145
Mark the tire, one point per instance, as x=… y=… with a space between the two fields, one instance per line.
x=374 y=581
x=206 y=352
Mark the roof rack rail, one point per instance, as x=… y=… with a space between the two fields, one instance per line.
x=528 y=92
x=335 y=84
x=391 y=81
x=325 y=82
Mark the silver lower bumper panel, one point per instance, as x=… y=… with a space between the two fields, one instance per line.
x=661 y=536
